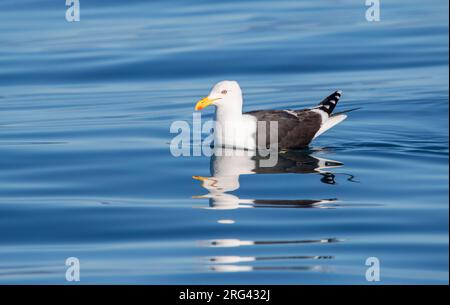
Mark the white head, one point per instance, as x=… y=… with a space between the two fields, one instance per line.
x=226 y=96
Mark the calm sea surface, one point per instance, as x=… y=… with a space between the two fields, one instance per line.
x=86 y=170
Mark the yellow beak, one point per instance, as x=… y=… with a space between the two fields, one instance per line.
x=203 y=103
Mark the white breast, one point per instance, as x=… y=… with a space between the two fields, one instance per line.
x=238 y=133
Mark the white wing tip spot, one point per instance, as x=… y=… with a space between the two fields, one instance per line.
x=291 y=113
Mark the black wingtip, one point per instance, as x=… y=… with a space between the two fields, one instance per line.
x=330 y=102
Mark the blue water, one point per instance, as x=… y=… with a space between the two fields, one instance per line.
x=86 y=170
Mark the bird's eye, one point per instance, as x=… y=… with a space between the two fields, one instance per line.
x=224 y=92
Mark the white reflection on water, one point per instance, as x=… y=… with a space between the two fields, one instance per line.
x=226 y=243
x=227 y=168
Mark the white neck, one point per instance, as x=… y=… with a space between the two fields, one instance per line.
x=232 y=128
x=230 y=112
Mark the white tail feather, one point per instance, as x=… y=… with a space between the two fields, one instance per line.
x=331 y=122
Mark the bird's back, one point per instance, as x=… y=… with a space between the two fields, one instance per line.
x=296 y=128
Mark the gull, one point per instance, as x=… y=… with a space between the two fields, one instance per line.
x=295 y=128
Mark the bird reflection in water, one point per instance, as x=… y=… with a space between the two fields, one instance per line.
x=229 y=263
x=227 y=167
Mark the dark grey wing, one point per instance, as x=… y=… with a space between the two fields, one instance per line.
x=296 y=128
